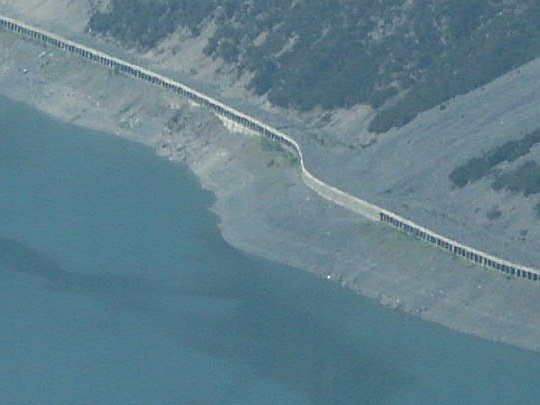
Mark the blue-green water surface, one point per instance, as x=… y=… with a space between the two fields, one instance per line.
x=116 y=288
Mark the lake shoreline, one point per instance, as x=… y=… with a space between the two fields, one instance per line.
x=258 y=194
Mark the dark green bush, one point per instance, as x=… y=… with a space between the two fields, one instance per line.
x=523 y=180
x=479 y=167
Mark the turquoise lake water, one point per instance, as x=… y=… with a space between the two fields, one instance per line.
x=117 y=288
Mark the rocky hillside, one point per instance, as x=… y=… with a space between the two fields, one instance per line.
x=465 y=168
x=399 y=56
x=448 y=168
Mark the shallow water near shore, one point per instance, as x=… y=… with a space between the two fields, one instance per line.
x=116 y=287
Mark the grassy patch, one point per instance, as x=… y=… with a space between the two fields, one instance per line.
x=479 y=167
x=523 y=180
x=493 y=214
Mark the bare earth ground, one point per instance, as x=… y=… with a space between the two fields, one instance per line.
x=263 y=207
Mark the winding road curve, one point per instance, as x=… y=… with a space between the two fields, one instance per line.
x=237 y=118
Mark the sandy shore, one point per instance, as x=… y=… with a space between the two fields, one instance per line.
x=263 y=207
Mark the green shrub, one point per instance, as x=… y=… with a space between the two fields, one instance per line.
x=523 y=180
x=479 y=167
